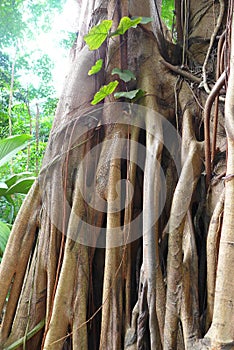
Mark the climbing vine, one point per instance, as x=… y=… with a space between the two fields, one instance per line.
x=94 y=39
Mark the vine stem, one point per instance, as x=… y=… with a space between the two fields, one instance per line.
x=181 y=72
x=209 y=102
x=124 y=39
x=212 y=39
x=216 y=109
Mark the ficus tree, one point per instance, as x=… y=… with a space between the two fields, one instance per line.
x=125 y=241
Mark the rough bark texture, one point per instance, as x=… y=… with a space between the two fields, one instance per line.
x=71 y=277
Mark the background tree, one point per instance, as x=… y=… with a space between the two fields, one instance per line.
x=170 y=288
x=28 y=95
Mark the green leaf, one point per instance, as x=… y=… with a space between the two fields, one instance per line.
x=10 y=146
x=105 y=91
x=167 y=12
x=134 y=94
x=21 y=186
x=125 y=24
x=144 y=20
x=125 y=75
x=4 y=234
x=3 y=188
x=19 y=342
x=98 y=34
x=9 y=200
x=96 y=68
x=12 y=179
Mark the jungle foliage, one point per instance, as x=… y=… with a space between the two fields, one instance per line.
x=28 y=97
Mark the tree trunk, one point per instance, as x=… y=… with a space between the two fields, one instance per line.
x=125 y=240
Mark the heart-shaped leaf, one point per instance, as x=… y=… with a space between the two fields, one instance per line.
x=131 y=95
x=96 y=68
x=125 y=24
x=98 y=34
x=125 y=75
x=105 y=91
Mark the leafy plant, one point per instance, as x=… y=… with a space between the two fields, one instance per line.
x=4 y=234
x=10 y=146
x=96 y=68
x=130 y=95
x=104 y=91
x=125 y=24
x=125 y=75
x=95 y=38
x=21 y=182
x=167 y=12
x=14 y=184
x=12 y=25
x=98 y=34
x=27 y=94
